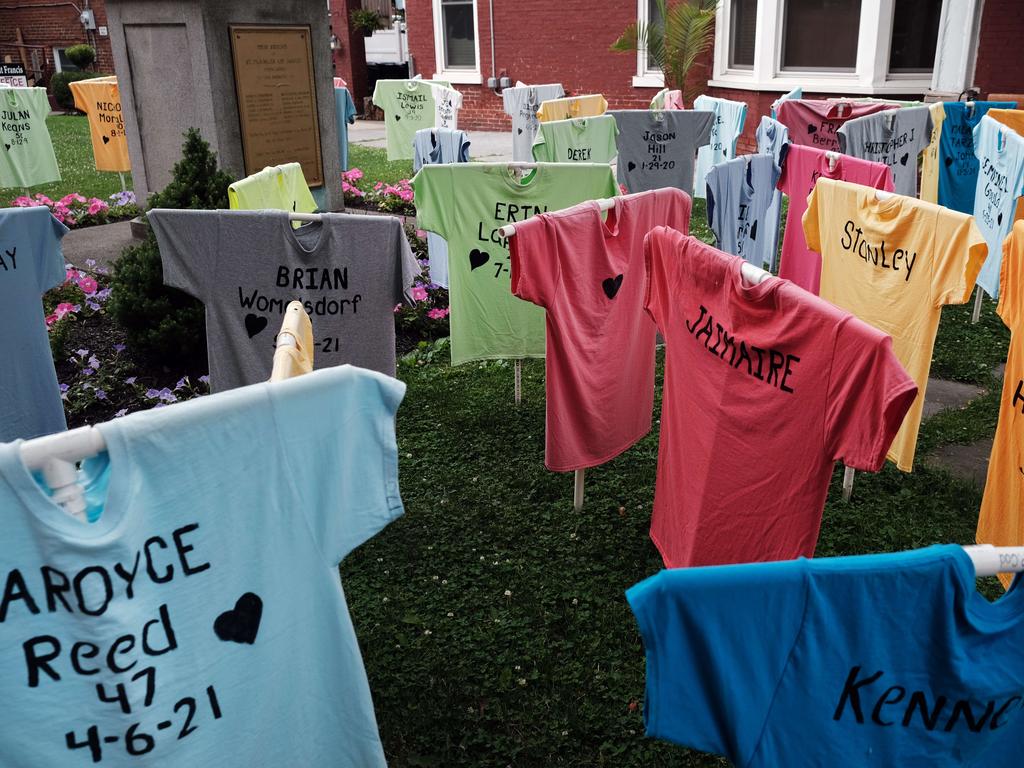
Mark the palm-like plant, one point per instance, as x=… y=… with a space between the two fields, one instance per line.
x=683 y=32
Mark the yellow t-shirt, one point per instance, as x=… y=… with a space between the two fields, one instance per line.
x=1001 y=521
x=100 y=99
x=590 y=105
x=279 y=187
x=290 y=361
x=894 y=263
x=930 y=161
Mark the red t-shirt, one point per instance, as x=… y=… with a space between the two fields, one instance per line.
x=589 y=276
x=814 y=122
x=766 y=386
x=801 y=168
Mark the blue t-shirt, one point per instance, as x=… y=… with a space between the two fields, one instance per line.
x=958 y=166
x=200 y=621
x=740 y=195
x=431 y=146
x=771 y=138
x=345 y=113
x=796 y=93
x=1000 y=153
x=887 y=660
x=725 y=133
x=31 y=263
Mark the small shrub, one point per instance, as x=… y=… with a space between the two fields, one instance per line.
x=163 y=323
x=62 y=92
x=81 y=55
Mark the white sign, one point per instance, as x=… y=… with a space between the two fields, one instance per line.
x=13 y=75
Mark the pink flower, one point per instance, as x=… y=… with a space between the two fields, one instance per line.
x=355 y=174
x=398 y=308
x=438 y=314
x=421 y=233
x=96 y=206
x=88 y=285
x=62 y=309
x=50 y=320
x=418 y=293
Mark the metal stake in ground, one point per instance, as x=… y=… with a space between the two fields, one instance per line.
x=976 y=315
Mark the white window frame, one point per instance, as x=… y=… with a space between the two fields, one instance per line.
x=645 y=77
x=870 y=75
x=467 y=76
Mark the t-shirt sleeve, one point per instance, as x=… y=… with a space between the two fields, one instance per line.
x=378 y=95
x=868 y=395
x=784 y=163
x=709 y=686
x=843 y=136
x=188 y=242
x=81 y=100
x=409 y=266
x=661 y=249
x=541 y=148
x=434 y=194
x=883 y=179
x=702 y=132
x=812 y=225
x=960 y=251
x=1009 y=307
x=336 y=433
x=610 y=148
x=714 y=214
x=52 y=271
x=350 y=108
x=534 y=253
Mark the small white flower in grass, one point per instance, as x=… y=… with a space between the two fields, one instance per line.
x=451 y=615
x=575 y=601
x=434 y=578
x=508 y=593
x=380 y=559
x=517 y=668
x=444 y=581
x=430 y=546
x=565 y=733
x=408 y=455
x=521 y=681
x=481 y=557
x=427 y=632
x=384 y=600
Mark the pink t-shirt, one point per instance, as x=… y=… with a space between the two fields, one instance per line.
x=801 y=168
x=589 y=276
x=814 y=122
x=766 y=386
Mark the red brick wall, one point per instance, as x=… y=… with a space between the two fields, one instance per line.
x=353 y=49
x=52 y=23
x=569 y=45
x=1000 y=67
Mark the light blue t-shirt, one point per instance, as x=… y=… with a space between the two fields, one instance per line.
x=31 y=263
x=345 y=112
x=877 y=660
x=958 y=165
x=740 y=193
x=796 y=93
x=200 y=621
x=725 y=132
x=1000 y=153
x=771 y=137
x=431 y=146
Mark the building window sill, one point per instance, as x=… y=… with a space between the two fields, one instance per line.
x=837 y=85
x=649 y=80
x=462 y=76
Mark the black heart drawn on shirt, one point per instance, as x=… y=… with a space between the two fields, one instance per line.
x=254 y=324
x=948 y=161
x=478 y=258
x=903 y=160
x=519 y=131
x=106 y=139
x=397 y=118
x=611 y=286
x=630 y=165
x=7 y=147
x=241 y=623
x=753 y=230
x=812 y=129
x=999 y=219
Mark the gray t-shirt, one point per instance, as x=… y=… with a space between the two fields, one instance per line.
x=430 y=146
x=521 y=104
x=739 y=194
x=348 y=270
x=894 y=137
x=771 y=137
x=659 y=149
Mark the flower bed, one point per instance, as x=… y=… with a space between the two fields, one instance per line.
x=75 y=211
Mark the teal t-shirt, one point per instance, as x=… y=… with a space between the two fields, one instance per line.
x=576 y=140
x=1000 y=153
x=466 y=204
x=345 y=112
x=200 y=621
x=26 y=154
x=845 y=662
x=31 y=263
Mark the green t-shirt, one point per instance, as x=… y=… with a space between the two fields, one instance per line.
x=26 y=157
x=576 y=140
x=408 y=106
x=467 y=203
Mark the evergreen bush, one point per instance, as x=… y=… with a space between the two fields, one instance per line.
x=62 y=92
x=162 y=323
x=81 y=55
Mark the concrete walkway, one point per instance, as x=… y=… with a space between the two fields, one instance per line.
x=494 y=146
x=103 y=244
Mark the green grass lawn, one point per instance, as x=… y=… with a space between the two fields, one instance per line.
x=375 y=164
x=73 y=147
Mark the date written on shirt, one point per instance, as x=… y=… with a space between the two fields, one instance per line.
x=767 y=365
x=853 y=241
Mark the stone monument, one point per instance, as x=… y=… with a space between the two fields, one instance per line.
x=254 y=76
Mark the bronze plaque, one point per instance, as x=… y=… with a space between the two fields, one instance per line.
x=277 y=98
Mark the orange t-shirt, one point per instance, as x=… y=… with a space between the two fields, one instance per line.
x=1001 y=521
x=100 y=99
